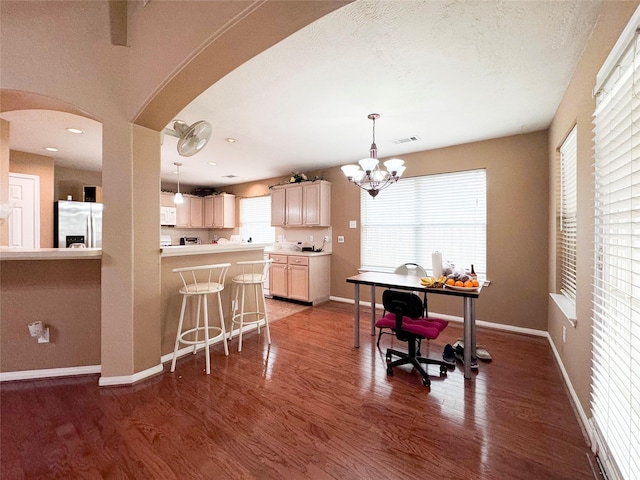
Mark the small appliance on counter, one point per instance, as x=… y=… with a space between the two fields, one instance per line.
x=165 y=240
x=189 y=240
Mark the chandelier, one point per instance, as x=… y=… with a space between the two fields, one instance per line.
x=368 y=175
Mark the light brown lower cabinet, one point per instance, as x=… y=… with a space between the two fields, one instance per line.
x=300 y=277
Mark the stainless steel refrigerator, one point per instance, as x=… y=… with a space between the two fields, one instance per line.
x=77 y=224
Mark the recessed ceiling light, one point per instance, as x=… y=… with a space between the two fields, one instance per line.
x=230 y=140
x=51 y=149
x=213 y=164
x=75 y=130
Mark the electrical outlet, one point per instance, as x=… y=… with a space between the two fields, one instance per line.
x=311 y=238
x=564 y=334
x=326 y=238
x=352 y=224
x=340 y=239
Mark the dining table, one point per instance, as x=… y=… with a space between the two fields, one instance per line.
x=413 y=283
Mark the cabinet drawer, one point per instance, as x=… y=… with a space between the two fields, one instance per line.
x=278 y=258
x=295 y=260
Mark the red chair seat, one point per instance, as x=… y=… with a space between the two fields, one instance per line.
x=428 y=328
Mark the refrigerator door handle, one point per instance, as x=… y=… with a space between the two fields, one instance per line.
x=90 y=231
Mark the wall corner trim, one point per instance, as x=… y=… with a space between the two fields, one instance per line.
x=130 y=379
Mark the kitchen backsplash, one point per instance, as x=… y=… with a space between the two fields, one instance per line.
x=288 y=235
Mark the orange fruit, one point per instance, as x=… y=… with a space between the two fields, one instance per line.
x=451 y=281
x=475 y=283
x=459 y=283
x=468 y=284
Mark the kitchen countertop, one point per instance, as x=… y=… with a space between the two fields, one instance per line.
x=17 y=253
x=296 y=252
x=207 y=248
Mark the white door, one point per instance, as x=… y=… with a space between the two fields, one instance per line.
x=24 y=221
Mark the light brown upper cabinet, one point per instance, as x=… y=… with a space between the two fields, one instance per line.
x=190 y=213
x=306 y=204
x=220 y=211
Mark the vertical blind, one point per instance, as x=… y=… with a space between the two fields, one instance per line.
x=568 y=214
x=417 y=216
x=615 y=399
x=255 y=219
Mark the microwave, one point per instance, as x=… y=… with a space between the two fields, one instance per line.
x=168 y=215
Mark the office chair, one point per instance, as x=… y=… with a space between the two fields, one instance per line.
x=407 y=269
x=404 y=319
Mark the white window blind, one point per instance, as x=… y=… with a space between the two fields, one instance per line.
x=255 y=219
x=417 y=216
x=615 y=398
x=568 y=215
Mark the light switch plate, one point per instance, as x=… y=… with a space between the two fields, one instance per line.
x=352 y=224
x=340 y=239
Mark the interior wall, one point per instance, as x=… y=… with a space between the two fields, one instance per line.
x=517 y=218
x=65 y=296
x=576 y=108
x=4 y=177
x=41 y=166
x=70 y=181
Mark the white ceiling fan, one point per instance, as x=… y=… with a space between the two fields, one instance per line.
x=192 y=138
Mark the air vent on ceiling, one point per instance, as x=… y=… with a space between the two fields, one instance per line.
x=406 y=140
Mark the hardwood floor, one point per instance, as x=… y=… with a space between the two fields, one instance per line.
x=309 y=406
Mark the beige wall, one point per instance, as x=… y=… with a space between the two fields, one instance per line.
x=4 y=177
x=41 y=166
x=577 y=107
x=517 y=219
x=70 y=181
x=516 y=225
x=65 y=295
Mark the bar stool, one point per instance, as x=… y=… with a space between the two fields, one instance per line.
x=254 y=274
x=204 y=280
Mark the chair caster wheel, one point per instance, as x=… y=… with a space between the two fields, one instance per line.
x=443 y=370
x=390 y=371
x=388 y=357
x=426 y=382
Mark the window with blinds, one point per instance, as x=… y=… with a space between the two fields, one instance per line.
x=568 y=214
x=255 y=220
x=615 y=397
x=420 y=215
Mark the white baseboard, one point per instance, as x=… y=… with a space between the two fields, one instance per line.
x=49 y=373
x=129 y=379
x=452 y=318
x=582 y=416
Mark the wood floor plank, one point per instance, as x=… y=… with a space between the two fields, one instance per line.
x=309 y=406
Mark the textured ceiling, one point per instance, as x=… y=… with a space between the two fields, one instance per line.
x=446 y=72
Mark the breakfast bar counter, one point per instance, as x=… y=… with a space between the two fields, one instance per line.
x=193 y=255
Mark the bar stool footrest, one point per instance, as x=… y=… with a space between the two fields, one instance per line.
x=201 y=341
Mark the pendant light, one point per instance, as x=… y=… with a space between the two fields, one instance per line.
x=178 y=198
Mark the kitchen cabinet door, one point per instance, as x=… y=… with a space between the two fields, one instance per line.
x=294 y=206
x=298 y=278
x=224 y=207
x=316 y=204
x=196 y=212
x=209 y=212
x=278 y=207
x=166 y=199
x=278 y=279
x=182 y=212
